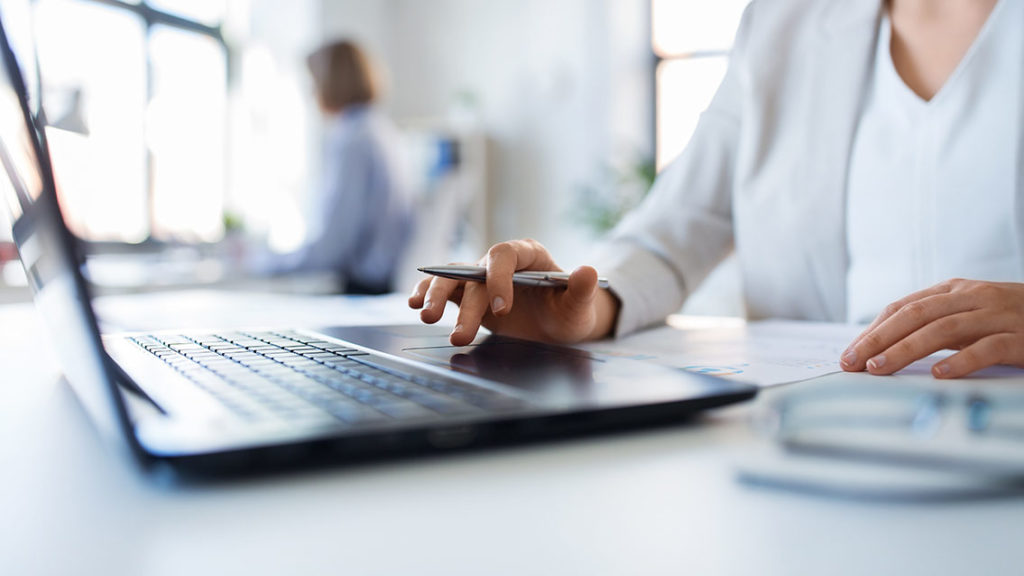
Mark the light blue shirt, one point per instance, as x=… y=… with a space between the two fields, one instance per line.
x=362 y=217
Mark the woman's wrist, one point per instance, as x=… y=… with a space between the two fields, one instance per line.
x=606 y=310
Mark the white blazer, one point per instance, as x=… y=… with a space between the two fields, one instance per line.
x=764 y=174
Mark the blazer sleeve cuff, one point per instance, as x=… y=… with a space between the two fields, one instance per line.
x=646 y=287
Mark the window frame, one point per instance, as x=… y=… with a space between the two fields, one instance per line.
x=152 y=17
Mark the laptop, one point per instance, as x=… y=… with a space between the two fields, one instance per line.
x=239 y=399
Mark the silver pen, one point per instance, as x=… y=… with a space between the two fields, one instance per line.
x=550 y=279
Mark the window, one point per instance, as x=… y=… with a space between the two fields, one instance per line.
x=691 y=40
x=136 y=100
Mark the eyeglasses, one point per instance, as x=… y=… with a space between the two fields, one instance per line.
x=964 y=427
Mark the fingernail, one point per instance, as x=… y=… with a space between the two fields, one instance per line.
x=941 y=369
x=414 y=293
x=428 y=304
x=458 y=328
x=498 y=304
x=876 y=362
x=849 y=357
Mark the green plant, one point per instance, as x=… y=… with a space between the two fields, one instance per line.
x=233 y=222
x=603 y=202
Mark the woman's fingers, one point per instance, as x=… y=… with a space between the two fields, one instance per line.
x=472 y=308
x=983 y=320
x=891 y=309
x=1002 y=348
x=437 y=295
x=559 y=314
x=572 y=314
x=419 y=292
x=944 y=333
x=578 y=298
x=903 y=322
x=502 y=261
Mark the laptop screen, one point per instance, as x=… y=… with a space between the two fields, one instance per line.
x=49 y=253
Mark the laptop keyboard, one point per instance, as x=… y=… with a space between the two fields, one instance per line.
x=291 y=376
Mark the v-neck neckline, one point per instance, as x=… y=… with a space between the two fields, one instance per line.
x=885 y=46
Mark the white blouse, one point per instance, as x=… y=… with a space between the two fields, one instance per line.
x=932 y=190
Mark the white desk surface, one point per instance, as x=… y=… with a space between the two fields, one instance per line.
x=653 y=502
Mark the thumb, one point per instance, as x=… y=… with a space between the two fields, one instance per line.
x=580 y=293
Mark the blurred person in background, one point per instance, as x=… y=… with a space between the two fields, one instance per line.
x=863 y=160
x=363 y=213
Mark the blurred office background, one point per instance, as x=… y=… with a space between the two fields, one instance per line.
x=183 y=131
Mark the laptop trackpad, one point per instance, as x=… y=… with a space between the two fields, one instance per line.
x=555 y=375
x=527 y=365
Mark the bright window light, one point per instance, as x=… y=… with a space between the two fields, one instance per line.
x=270 y=154
x=691 y=39
x=186 y=120
x=94 y=86
x=136 y=106
x=685 y=88
x=682 y=27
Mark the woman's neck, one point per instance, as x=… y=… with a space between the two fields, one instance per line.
x=931 y=37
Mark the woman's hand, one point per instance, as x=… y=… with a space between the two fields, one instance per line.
x=983 y=320
x=578 y=312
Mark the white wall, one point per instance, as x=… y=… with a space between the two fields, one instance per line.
x=364 y=21
x=563 y=87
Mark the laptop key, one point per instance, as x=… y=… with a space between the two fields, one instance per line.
x=353 y=413
x=404 y=410
x=295 y=378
